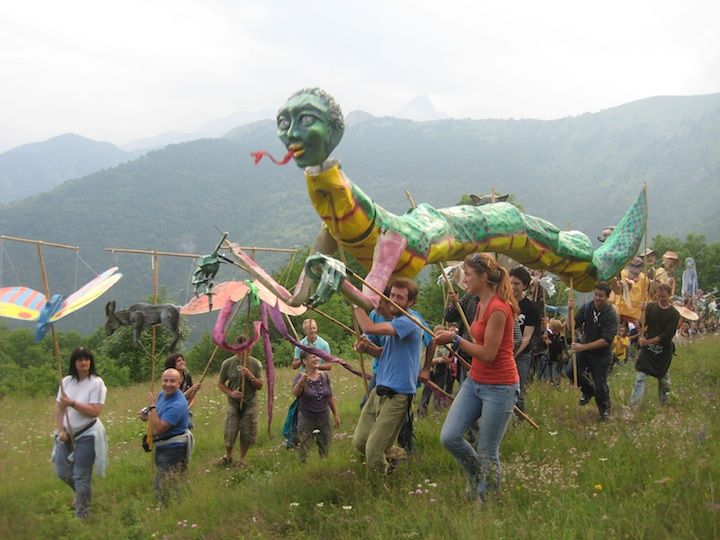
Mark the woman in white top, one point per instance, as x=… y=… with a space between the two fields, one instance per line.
x=80 y=442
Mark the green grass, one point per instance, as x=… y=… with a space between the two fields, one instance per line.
x=651 y=472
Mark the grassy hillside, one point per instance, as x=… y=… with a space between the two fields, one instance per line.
x=650 y=472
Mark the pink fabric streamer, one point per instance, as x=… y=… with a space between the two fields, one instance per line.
x=220 y=328
x=269 y=362
x=259 y=328
x=262 y=328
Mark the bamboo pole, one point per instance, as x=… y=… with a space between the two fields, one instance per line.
x=153 y=347
x=645 y=258
x=207 y=364
x=195 y=255
x=43 y=274
x=55 y=343
x=335 y=321
x=39 y=242
x=571 y=321
x=356 y=326
x=217 y=348
x=244 y=355
x=421 y=325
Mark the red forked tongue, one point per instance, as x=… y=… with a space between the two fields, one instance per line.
x=257 y=156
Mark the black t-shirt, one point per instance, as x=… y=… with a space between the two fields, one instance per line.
x=529 y=314
x=596 y=324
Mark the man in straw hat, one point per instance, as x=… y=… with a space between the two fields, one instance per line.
x=630 y=291
x=650 y=258
x=666 y=272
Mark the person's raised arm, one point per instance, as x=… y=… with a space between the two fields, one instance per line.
x=369 y=327
x=494 y=331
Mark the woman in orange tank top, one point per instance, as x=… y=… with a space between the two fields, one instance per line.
x=492 y=387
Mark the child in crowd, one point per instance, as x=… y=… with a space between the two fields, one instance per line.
x=621 y=345
x=556 y=344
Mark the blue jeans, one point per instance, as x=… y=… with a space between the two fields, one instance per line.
x=171 y=463
x=77 y=473
x=493 y=404
x=523 y=363
x=639 y=387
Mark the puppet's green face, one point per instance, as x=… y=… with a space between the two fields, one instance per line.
x=305 y=127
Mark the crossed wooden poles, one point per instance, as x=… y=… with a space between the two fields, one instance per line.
x=357 y=333
x=520 y=413
x=39 y=244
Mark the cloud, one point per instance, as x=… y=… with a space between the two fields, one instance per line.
x=123 y=70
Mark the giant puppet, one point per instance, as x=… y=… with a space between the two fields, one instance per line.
x=310 y=125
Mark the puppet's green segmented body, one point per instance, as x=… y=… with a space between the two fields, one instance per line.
x=452 y=233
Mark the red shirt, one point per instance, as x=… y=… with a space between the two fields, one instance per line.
x=502 y=369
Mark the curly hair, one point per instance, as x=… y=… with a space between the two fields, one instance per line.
x=337 y=122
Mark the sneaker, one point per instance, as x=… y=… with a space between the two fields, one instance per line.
x=584 y=400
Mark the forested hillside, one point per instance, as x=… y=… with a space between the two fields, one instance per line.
x=37 y=167
x=579 y=173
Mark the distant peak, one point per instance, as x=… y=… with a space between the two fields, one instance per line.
x=421 y=108
x=356 y=117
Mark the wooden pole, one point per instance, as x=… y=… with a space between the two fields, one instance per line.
x=382 y=295
x=153 y=329
x=55 y=343
x=43 y=274
x=39 y=242
x=356 y=326
x=194 y=255
x=645 y=258
x=421 y=325
x=245 y=354
x=215 y=350
x=335 y=321
x=207 y=364
x=571 y=321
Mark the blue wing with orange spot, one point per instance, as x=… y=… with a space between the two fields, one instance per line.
x=26 y=304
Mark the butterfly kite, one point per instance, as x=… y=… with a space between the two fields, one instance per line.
x=27 y=304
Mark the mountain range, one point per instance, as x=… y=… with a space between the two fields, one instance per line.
x=37 y=167
x=579 y=173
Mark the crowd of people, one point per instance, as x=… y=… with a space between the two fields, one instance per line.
x=495 y=340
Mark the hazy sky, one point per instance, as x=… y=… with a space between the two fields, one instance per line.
x=119 y=71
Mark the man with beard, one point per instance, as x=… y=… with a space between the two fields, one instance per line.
x=598 y=322
x=389 y=402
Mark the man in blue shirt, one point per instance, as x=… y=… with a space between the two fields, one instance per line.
x=387 y=406
x=311 y=339
x=384 y=313
x=168 y=417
